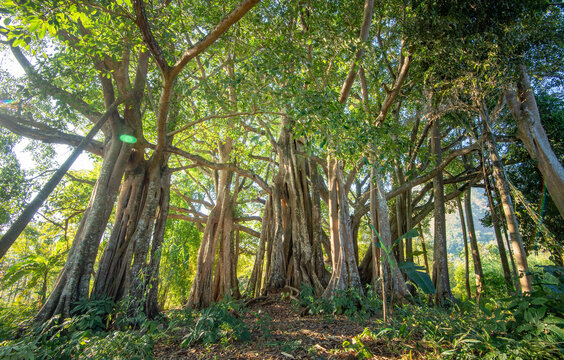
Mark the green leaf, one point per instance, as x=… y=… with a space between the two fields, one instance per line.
x=420 y=278
x=410 y=234
x=539 y=301
x=553 y=320
x=556 y=331
x=417 y=253
x=34 y=25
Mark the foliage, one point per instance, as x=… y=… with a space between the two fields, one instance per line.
x=219 y=322
x=528 y=180
x=541 y=313
x=177 y=269
x=528 y=327
x=418 y=276
x=347 y=302
x=80 y=337
x=13 y=190
x=495 y=287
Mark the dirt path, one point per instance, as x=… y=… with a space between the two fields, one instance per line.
x=279 y=331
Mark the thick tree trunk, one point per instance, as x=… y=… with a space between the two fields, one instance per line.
x=297 y=220
x=115 y=262
x=345 y=269
x=443 y=293
x=508 y=209
x=152 y=308
x=225 y=280
x=73 y=282
x=203 y=291
x=276 y=267
x=524 y=108
x=393 y=281
x=477 y=261
x=466 y=253
x=138 y=277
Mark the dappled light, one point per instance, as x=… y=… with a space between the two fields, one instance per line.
x=281 y=179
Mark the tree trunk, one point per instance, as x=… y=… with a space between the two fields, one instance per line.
x=376 y=256
x=502 y=185
x=524 y=108
x=393 y=281
x=276 y=267
x=225 y=281
x=297 y=220
x=466 y=254
x=256 y=281
x=507 y=243
x=443 y=293
x=138 y=277
x=424 y=249
x=478 y=272
x=408 y=214
x=203 y=291
x=345 y=269
x=152 y=308
x=73 y=282
x=498 y=237
x=114 y=265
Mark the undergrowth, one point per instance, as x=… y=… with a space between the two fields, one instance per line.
x=219 y=323
x=350 y=303
x=529 y=327
x=89 y=334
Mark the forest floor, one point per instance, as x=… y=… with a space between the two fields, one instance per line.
x=279 y=330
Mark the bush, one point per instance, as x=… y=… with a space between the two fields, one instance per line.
x=218 y=323
x=84 y=336
x=520 y=327
x=345 y=302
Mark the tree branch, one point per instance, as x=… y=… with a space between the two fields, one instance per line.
x=68 y=98
x=224 y=25
x=37 y=131
x=366 y=22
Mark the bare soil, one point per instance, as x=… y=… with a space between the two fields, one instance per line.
x=280 y=331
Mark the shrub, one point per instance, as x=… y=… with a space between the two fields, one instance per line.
x=218 y=323
x=345 y=302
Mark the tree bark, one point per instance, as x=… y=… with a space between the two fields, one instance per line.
x=219 y=227
x=393 y=281
x=345 y=269
x=477 y=261
x=443 y=293
x=152 y=308
x=114 y=265
x=523 y=106
x=297 y=219
x=466 y=253
x=73 y=282
x=497 y=230
x=508 y=209
x=424 y=249
x=256 y=280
